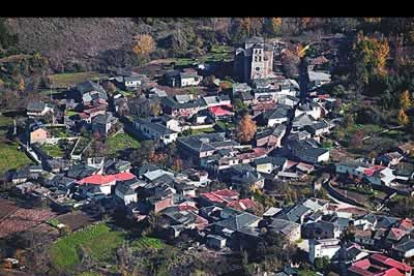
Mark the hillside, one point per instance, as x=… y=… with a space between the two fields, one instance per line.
x=73 y=40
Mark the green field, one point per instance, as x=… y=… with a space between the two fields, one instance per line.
x=217 y=53
x=120 y=142
x=203 y=130
x=12 y=158
x=146 y=243
x=52 y=150
x=5 y=121
x=98 y=241
x=71 y=79
x=71 y=113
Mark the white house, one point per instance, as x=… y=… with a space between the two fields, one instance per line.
x=126 y=194
x=310 y=108
x=323 y=248
x=189 y=79
x=155 y=131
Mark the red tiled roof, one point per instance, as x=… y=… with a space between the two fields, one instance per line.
x=391 y=262
x=242 y=204
x=372 y=170
x=221 y=110
x=363 y=264
x=406 y=224
x=291 y=163
x=396 y=233
x=393 y=272
x=360 y=271
x=98 y=179
x=221 y=196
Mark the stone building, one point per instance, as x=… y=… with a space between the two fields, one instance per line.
x=254 y=60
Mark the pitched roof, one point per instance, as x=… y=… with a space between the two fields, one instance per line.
x=391 y=262
x=105 y=179
x=283 y=226
x=222 y=110
x=239 y=221
x=36 y=106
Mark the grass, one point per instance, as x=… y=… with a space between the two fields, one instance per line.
x=52 y=150
x=12 y=158
x=146 y=243
x=203 y=130
x=98 y=241
x=90 y=273
x=71 y=113
x=80 y=145
x=5 y=121
x=120 y=142
x=72 y=79
x=217 y=53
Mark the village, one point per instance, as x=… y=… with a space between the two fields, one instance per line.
x=213 y=165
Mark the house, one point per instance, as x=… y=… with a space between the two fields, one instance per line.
x=277 y=116
x=320 y=230
x=319 y=128
x=403 y=250
x=378 y=264
x=155 y=131
x=203 y=145
x=180 y=218
x=218 y=197
x=90 y=91
x=318 y=78
x=215 y=241
x=269 y=164
x=242 y=204
x=134 y=81
x=176 y=107
x=374 y=174
x=182 y=79
x=403 y=171
x=323 y=248
x=295 y=214
x=271 y=137
x=156 y=92
x=126 y=194
x=364 y=237
x=308 y=151
x=390 y=158
x=290 y=230
x=39 y=109
x=301 y=121
x=288 y=100
x=246 y=97
x=247 y=179
x=104 y=183
x=222 y=112
x=244 y=223
x=103 y=123
x=220 y=100
x=310 y=108
x=197 y=178
x=39 y=135
x=316 y=204
x=158 y=203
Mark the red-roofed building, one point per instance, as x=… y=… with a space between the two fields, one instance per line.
x=391 y=263
x=105 y=182
x=222 y=197
x=242 y=204
x=379 y=265
x=221 y=112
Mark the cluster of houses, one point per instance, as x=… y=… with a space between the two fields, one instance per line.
x=286 y=147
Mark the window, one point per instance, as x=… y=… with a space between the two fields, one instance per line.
x=257 y=68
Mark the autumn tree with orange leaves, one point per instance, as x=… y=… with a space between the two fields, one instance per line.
x=247 y=129
x=144 y=45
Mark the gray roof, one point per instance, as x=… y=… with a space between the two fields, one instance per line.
x=247 y=178
x=276 y=161
x=202 y=142
x=172 y=103
x=319 y=125
x=294 y=213
x=155 y=127
x=125 y=189
x=36 y=106
x=102 y=119
x=89 y=86
x=281 y=111
x=405 y=246
x=239 y=221
x=283 y=226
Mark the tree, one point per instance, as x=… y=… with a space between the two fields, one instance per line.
x=109 y=87
x=155 y=108
x=403 y=118
x=357 y=139
x=247 y=129
x=21 y=86
x=321 y=263
x=144 y=45
x=405 y=100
